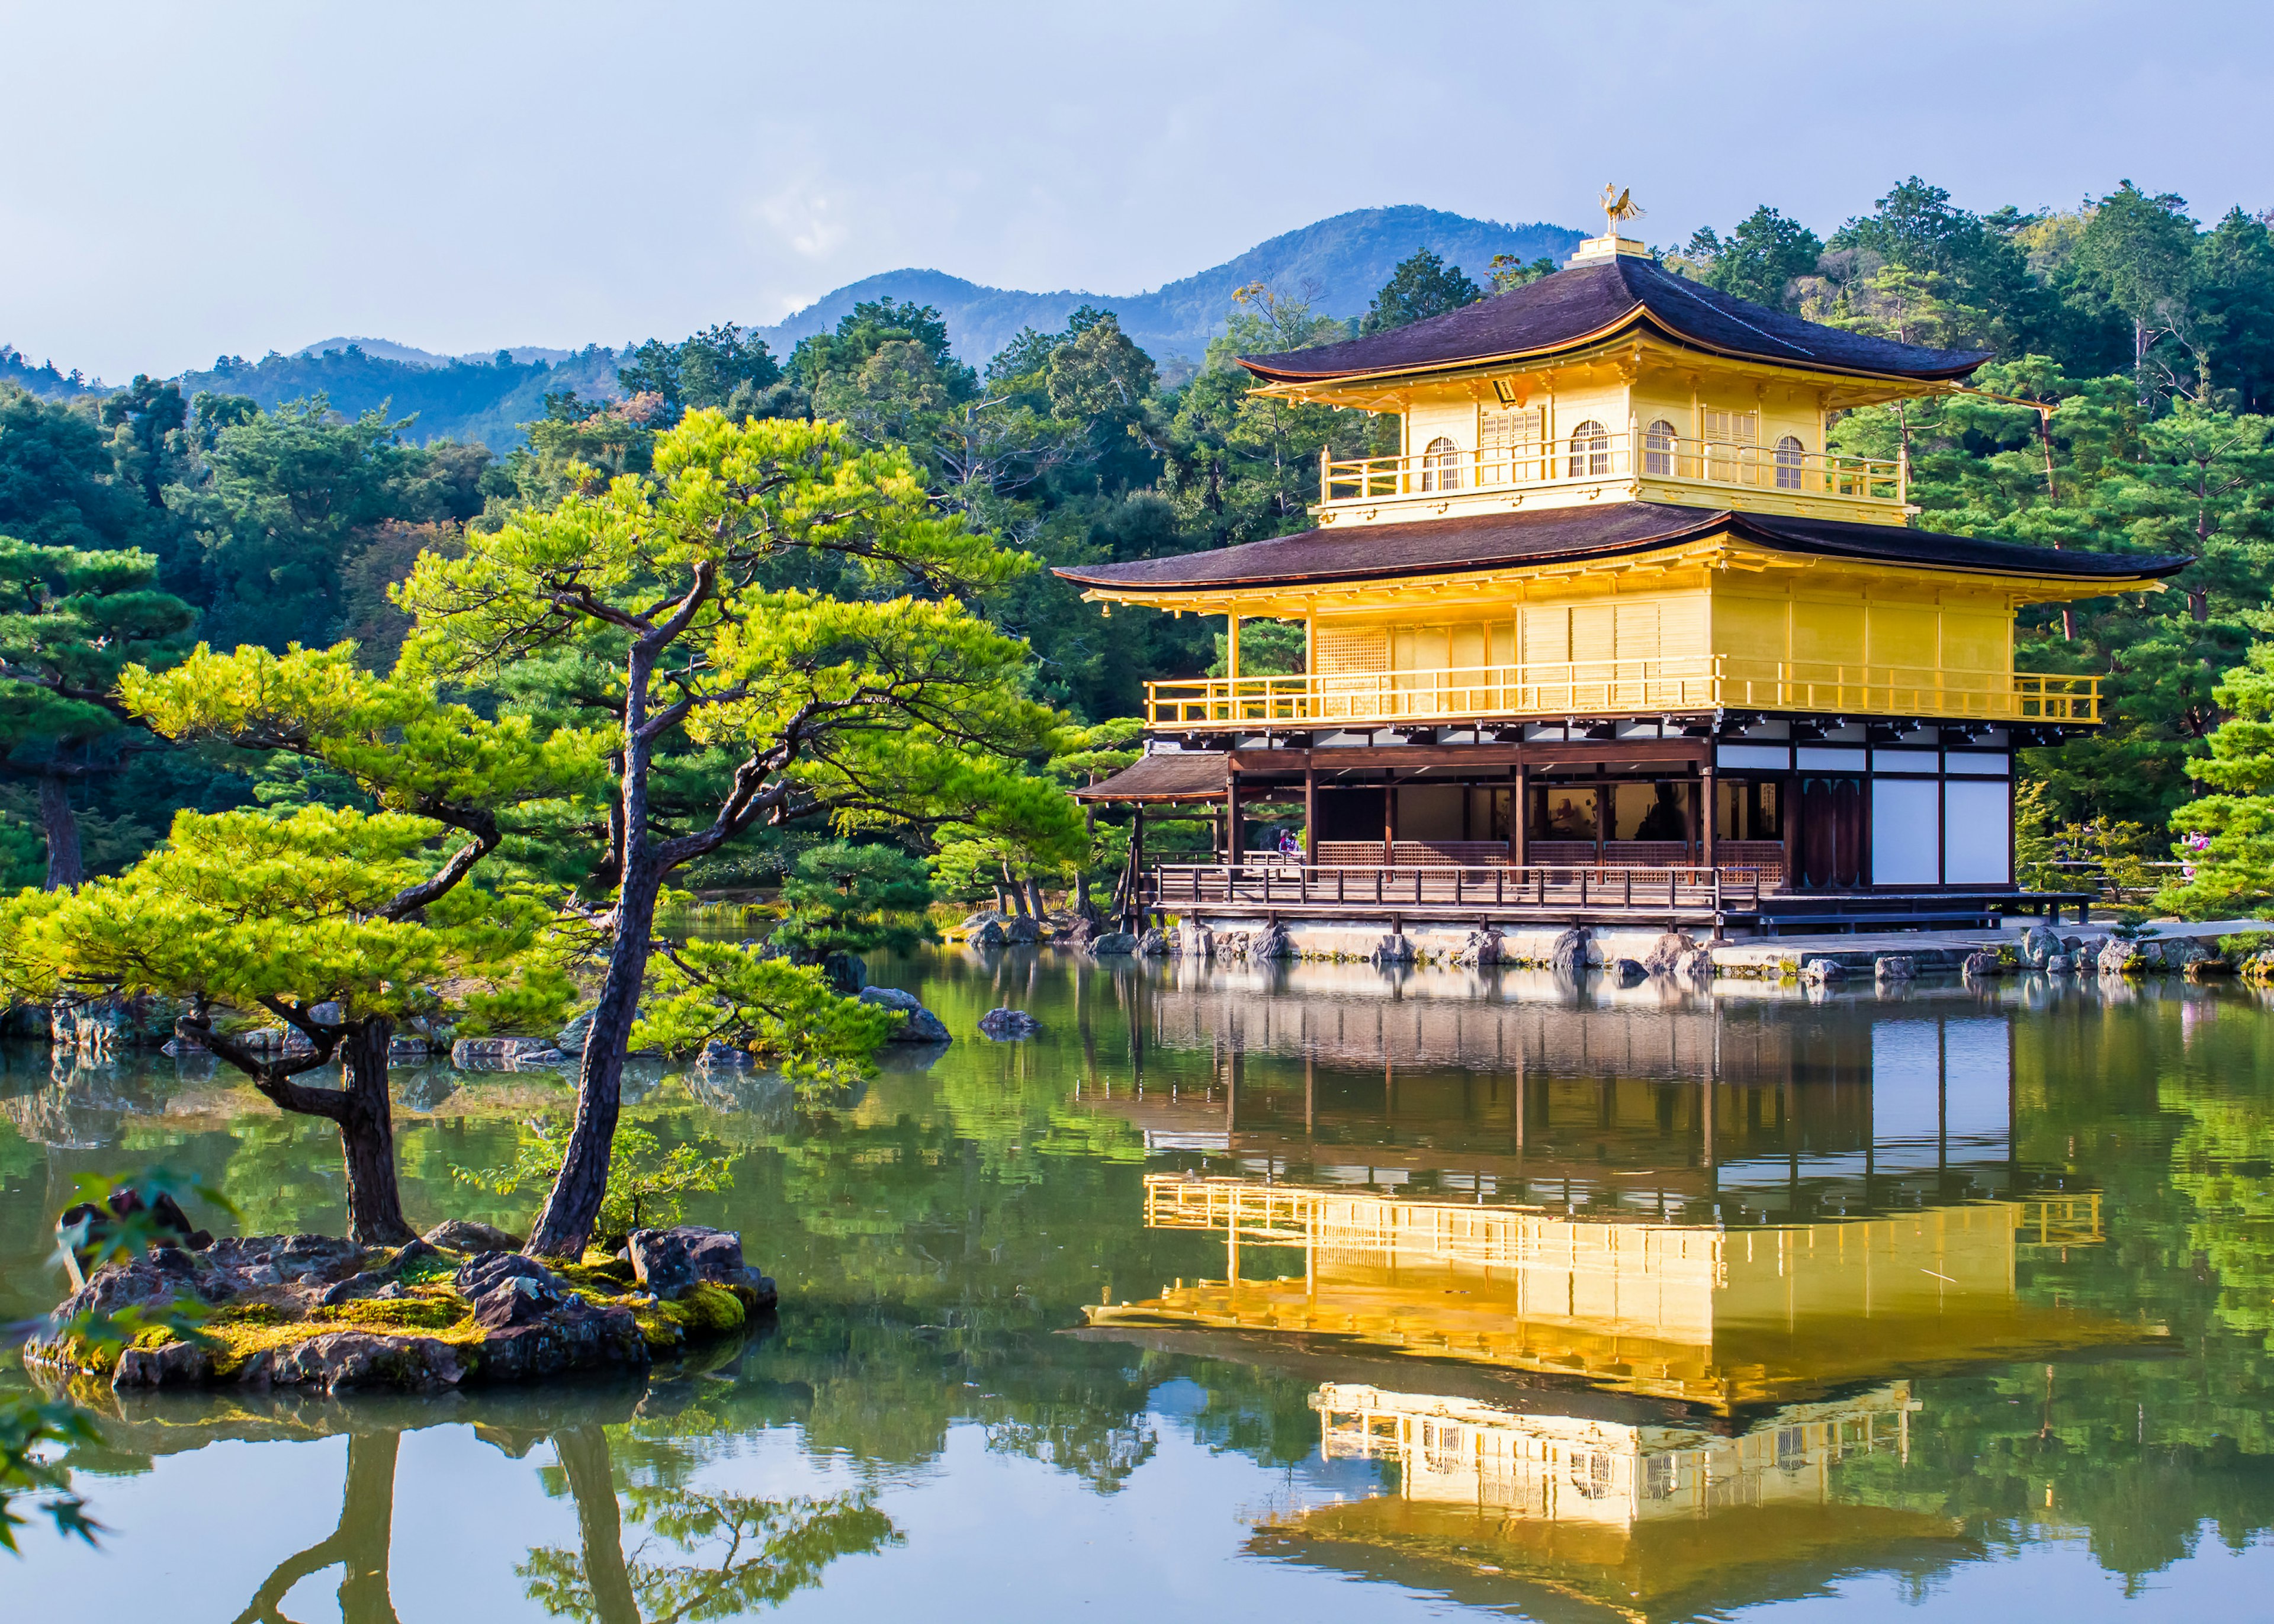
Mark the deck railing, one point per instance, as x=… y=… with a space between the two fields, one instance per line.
x=1584 y=459
x=1272 y=883
x=1559 y=688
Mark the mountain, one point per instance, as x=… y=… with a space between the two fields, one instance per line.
x=387 y=350
x=1338 y=264
x=1342 y=261
x=454 y=399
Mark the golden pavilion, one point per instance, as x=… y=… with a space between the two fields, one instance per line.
x=1614 y=630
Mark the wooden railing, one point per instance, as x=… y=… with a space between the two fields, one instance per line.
x=1272 y=883
x=1579 y=460
x=1560 y=688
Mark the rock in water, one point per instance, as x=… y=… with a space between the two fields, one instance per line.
x=1667 y=951
x=1156 y=945
x=1397 y=948
x=1895 y=967
x=1979 y=967
x=464 y=1235
x=1022 y=932
x=2038 y=943
x=988 y=934
x=1195 y=940
x=1112 y=944
x=1271 y=942
x=1568 y=955
x=919 y=1025
x=667 y=1262
x=2119 y=957
x=1822 y=972
x=847 y=973
x=2060 y=964
x=1696 y=966
x=1008 y=1026
x=172 y=1364
x=1482 y=948
x=1627 y=971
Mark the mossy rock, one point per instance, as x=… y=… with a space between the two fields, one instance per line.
x=704 y=1309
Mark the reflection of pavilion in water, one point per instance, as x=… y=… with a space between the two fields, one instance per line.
x=1719 y=1321
x=1651 y=1102
x=1642 y=1520
x=1619 y=1412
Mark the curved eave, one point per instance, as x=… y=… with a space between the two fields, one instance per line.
x=1202 y=597
x=1638 y=314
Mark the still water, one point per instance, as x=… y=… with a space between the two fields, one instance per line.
x=1316 y=1293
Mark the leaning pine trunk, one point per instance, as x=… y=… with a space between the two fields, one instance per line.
x=574 y=1206
x=65 y=867
x=368 y=1138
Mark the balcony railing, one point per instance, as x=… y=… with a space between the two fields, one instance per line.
x=1559 y=688
x=1590 y=458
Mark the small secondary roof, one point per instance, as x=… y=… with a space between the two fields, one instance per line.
x=1558 y=535
x=1590 y=303
x=1167 y=777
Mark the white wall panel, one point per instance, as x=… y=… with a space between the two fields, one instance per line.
x=1902 y=832
x=1978 y=831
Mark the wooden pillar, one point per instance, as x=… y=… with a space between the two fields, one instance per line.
x=1310 y=816
x=1517 y=813
x=1231 y=818
x=1388 y=821
x=1231 y=647
x=1791 y=812
x=1137 y=865
x=1709 y=815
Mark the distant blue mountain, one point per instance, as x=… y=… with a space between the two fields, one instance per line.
x=1338 y=264
x=1342 y=261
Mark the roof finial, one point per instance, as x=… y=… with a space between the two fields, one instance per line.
x=1618 y=203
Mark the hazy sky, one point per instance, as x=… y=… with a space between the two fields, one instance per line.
x=178 y=182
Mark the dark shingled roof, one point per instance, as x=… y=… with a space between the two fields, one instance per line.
x=1169 y=776
x=1554 y=535
x=1592 y=302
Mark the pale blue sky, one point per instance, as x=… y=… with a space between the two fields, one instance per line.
x=180 y=181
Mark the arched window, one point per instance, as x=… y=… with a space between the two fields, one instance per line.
x=1440 y=466
x=1658 y=448
x=1788 y=456
x=1590 y=449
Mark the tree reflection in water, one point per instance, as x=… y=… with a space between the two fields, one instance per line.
x=752 y=1552
x=747 y=1552
x=359 y=1543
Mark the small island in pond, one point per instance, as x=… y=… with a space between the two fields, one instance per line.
x=459 y=1306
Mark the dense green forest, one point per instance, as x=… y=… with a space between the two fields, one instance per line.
x=2125 y=409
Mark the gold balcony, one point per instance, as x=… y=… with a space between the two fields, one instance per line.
x=1556 y=689
x=1638 y=465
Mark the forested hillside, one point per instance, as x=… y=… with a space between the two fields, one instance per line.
x=2125 y=410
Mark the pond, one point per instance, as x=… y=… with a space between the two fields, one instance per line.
x=1321 y=1292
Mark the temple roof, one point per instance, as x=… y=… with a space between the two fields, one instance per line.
x=1590 y=302
x=1167 y=777
x=1558 y=534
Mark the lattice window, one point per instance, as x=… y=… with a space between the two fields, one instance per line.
x=1510 y=429
x=1591 y=450
x=1440 y=466
x=1790 y=458
x=1348 y=652
x=1658 y=449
